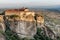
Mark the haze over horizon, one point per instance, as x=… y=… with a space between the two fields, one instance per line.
x=27 y=3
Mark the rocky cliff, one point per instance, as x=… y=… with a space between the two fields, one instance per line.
x=25 y=24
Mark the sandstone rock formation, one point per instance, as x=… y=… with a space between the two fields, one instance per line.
x=2 y=25
x=26 y=26
x=40 y=20
x=2 y=28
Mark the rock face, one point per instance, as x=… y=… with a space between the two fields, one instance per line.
x=40 y=20
x=2 y=25
x=23 y=28
x=2 y=28
x=45 y=29
x=26 y=29
x=2 y=37
x=26 y=25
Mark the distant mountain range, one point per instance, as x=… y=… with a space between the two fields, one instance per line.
x=49 y=8
x=55 y=8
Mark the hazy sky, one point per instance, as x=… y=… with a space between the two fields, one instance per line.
x=18 y=3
